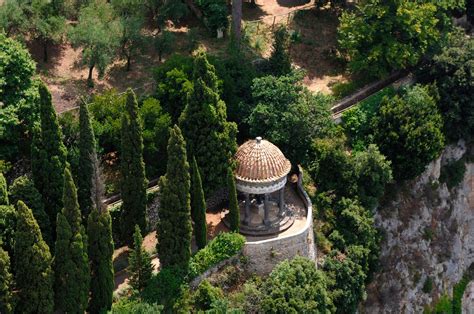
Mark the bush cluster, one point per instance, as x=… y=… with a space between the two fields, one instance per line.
x=222 y=247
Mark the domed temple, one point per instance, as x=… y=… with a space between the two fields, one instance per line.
x=261 y=177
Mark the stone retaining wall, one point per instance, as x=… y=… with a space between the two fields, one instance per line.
x=264 y=255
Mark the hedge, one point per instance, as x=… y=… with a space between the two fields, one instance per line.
x=222 y=247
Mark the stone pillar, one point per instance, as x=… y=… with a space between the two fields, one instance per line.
x=266 y=219
x=282 y=202
x=247 y=209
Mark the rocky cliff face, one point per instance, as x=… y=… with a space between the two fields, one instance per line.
x=428 y=236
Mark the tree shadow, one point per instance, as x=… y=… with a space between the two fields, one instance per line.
x=292 y=3
x=252 y=12
x=55 y=53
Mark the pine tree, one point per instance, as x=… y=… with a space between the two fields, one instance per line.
x=48 y=157
x=71 y=262
x=101 y=249
x=198 y=207
x=234 y=211
x=6 y=283
x=209 y=136
x=133 y=183
x=174 y=229
x=140 y=267
x=86 y=153
x=280 y=63
x=33 y=273
x=3 y=190
x=23 y=189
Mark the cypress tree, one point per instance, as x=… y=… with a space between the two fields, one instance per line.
x=3 y=190
x=140 y=267
x=133 y=185
x=33 y=273
x=280 y=63
x=174 y=228
x=86 y=153
x=48 y=157
x=71 y=262
x=234 y=211
x=101 y=250
x=6 y=283
x=23 y=189
x=209 y=136
x=198 y=207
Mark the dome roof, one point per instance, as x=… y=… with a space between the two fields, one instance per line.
x=260 y=161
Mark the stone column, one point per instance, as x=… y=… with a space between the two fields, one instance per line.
x=266 y=219
x=247 y=209
x=282 y=202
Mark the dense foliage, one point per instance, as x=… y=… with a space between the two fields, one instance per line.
x=85 y=168
x=23 y=189
x=71 y=263
x=379 y=37
x=48 y=157
x=7 y=228
x=223 y=246
x=132 y=169
x=198 y=206
x=6 y=283
x=279 y=62
x=34 y=276
x=139 y=260
x=101 y=250
x=174 y=229
x=210 y=138
x=3 y=190
x=453 y=70
x=288 y=115
x=19 y=95
x=296 y=286
x=408 y=130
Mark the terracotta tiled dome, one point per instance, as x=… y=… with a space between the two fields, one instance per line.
x=260 y=161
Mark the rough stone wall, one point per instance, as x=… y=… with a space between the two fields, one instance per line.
x=428 y=232
x=265 y=255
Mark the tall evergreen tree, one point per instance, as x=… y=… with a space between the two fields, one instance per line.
x=198 y=207
x=24 y=190
x=33 y=273
x=48 y=157
x=280 y=63
x=3 y=190
x=71 y=263
x=209 y=136
x=140 y=268
x=6 y=283
x=86 y=153
x=234 y=211
x=101 y=248
x=174 y=229
x=133 y=185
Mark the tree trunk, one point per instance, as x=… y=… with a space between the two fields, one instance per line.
x=128 y=62
x=45 y=51
x=237 y=20
x=90 y=82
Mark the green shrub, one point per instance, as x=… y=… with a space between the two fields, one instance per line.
x=206 y=295
x=125 y=306
x=224 y=246
x=453 y=173
x=458 y=292
x=428 y=285
x=168 y=288
x=357 y=120
x=215 y=13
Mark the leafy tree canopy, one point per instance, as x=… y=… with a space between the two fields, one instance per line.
x=382 y=36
